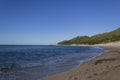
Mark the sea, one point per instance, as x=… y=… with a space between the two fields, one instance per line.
x=32 y=62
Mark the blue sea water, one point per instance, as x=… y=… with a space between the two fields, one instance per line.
x=30 y=62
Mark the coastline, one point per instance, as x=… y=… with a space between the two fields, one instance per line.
x=103 y=67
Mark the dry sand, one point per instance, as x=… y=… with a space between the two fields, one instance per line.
x=104 y=67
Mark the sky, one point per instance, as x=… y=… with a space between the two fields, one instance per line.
x=50 y=21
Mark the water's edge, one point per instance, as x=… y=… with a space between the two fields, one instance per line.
x=105 y=51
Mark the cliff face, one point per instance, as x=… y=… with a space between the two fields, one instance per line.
x=96 y=39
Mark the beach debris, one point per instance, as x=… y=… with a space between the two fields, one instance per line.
x=104 y=60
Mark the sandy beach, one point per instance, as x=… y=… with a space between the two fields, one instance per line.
x=104 y=67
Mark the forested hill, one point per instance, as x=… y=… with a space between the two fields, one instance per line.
x=96 y=39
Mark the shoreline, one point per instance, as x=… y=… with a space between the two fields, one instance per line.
x=103 y=67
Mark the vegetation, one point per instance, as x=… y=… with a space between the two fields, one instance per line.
x=96 y=39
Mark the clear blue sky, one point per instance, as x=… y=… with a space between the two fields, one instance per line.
x=51 y=21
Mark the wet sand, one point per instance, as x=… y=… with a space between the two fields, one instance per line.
x=104 y=67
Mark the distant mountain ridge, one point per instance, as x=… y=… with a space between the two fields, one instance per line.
x=96 y=39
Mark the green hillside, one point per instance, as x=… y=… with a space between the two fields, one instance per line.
x=96 y=39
